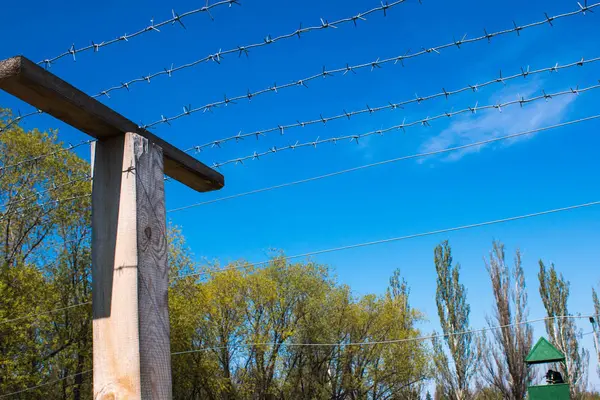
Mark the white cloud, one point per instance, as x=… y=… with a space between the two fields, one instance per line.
x=490 y=124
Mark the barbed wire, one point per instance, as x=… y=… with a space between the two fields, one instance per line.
x=332 y=174
x=216 y=57
x=422 y=122
x=373 y=65
x=391 y=341
x=370 y=110
x=153 y=27
x=18 y=119
x=389 y=106
x=399 y=238
x=389 y=161
x=188 y=110
x=244 y=50
x=37 y=158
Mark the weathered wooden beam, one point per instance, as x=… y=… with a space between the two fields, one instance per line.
x=130 y=271
x=31 y=83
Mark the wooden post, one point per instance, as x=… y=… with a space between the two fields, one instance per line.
x=129 y=271
x=129 y=247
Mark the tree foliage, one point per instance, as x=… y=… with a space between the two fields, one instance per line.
x=44 y=248
x=563 y=333
x=242 y=333
x=242 y=325
x=596 y=329
x=245 y=327
x=503 y=357
x=454 y=378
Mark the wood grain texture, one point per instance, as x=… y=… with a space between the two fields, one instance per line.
x=31 y=83
x=153 y=271
x=116 y=356
x=130 y=271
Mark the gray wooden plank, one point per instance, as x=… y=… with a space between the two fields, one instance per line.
x=153 y=272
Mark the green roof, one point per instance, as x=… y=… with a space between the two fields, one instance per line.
x=544 y=352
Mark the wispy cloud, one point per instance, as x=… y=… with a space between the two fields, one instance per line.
x=491 y=124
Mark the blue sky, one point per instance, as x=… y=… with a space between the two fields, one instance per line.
x=547 y=170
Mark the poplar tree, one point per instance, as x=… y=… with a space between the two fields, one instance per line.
x=554 y=291
x=504 y=355
x=596 y=317
x=453 y=310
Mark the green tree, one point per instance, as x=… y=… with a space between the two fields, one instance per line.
x=237 y=333
x=554 y=291
x=247 y=330
x=453 y=310
x=503 y=358
x=44 y=249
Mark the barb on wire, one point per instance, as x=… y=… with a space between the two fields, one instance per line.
x=239 y=50
x=176 y=18
x=379 y=62
x=389 y=161
x=18 y=119
x=426 y=122
x=390 y=106
x=35 y=159
x=401 y=238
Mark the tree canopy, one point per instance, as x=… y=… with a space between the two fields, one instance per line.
x=282 y=331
